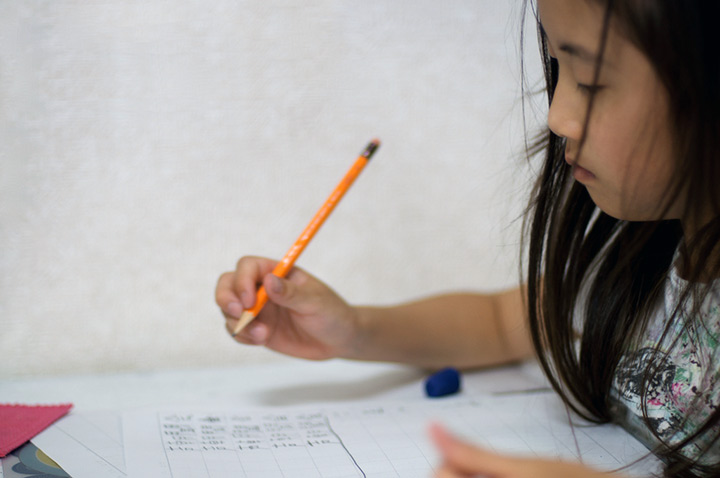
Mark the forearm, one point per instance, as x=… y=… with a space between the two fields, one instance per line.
x=460 y=330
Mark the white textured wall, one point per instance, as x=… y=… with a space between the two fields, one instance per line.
x=145 y=145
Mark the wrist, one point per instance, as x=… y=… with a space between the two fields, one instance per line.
x=359 y=338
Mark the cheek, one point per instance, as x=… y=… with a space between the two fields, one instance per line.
x=650 y=162
x=633 y=162
x=645 y=179
x=637 y=114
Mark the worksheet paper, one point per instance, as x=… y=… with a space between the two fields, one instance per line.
x=86 y=445
x=363 y=440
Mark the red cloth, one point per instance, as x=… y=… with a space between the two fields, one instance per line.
x=19 y=423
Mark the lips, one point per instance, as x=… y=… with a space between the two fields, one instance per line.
x=580 y=174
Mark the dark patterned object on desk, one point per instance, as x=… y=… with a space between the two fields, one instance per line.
x=29 y=461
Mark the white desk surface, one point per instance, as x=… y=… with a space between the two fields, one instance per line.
x=287 y=382
x=281 y=383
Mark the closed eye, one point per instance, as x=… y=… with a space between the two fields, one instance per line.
x=589 y=89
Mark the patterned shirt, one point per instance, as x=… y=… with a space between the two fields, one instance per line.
x=684 y=389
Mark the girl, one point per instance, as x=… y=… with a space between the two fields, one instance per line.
x=622 y=299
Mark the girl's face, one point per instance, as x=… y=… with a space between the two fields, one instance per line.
x=626 y=160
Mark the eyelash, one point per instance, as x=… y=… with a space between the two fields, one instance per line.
x=582 y=87
x=589 y=89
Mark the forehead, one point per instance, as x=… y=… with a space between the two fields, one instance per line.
x=571 y=14
x=578 y=22
x=576 y=27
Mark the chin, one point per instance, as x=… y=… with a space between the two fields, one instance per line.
x=625 y=214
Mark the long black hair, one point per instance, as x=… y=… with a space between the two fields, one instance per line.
x=567 y=236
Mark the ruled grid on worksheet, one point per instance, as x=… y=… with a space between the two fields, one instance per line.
x=362 y=440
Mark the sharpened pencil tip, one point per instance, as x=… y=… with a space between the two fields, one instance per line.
x=245 y=319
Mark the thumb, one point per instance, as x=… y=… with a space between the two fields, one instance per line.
x=281 y=291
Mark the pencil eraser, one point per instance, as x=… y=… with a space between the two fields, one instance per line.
x=442 y=383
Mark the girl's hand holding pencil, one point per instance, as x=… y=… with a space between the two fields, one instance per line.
x=284 y=266
x=303 y=317
x=307 y=319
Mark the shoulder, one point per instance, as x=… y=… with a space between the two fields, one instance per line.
x=668 y=384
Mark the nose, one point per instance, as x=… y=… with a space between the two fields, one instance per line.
x=567 y=113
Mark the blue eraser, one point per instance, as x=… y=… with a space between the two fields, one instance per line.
x=444 y=382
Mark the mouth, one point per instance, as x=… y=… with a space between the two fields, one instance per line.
x=580 y=174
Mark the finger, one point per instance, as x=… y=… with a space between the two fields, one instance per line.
x=255 y=333
x=291 y=292
x=447 y=473
x=464 y=458
x=226 y=298
x=249 y=274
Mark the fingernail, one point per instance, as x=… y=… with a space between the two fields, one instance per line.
x=276 y=284
x=235 y=309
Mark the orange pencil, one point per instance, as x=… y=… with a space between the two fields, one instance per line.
x=284 y=266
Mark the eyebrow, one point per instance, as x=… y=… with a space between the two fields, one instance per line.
x=585 y=55
x=578 y=52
